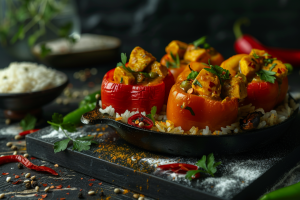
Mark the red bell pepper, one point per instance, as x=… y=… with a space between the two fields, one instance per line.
x=131 y=97
x=245 y=43
x=134 y=120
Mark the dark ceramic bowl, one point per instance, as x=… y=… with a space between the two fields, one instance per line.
x=82 y=57
x=31 y=100
x=190 y=145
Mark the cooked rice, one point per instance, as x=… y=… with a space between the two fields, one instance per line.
x=271 y=118
x=28 y=77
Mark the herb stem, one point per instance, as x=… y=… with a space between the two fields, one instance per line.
x=60 y=128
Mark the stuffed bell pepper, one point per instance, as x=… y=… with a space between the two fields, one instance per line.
x=180 y=54
x=267 y=82
x=137 y=85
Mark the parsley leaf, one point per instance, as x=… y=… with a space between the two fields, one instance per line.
x=289 y=67
x=222 y=74
x=255 y=55
x=272 y=67
x=175 y=63
x=145 y=74
x=121 y=81
x=61 y=145
x=200 y=41
x=28 y=122
x=192 y=75
x=269 y=61
x=196 y=82
x=190 y=109
x=79 y=144
x=208 y=165
x=266 y=54
x=267 y=76
x=45 y=50
x=153 y=112
x=123 y=63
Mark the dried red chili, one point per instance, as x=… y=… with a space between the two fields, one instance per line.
x=58 y=187
x=251 y=121
x=28 y=132
x=134 y=120
x=180 y=168
x=26 y=163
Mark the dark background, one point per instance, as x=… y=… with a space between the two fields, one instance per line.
x=152 y=24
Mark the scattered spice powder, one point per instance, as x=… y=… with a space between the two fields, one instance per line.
x=100 y=183
x=68 y=193
x=17 y=176
x=125 y=191
x=91 y=184
x=68 y=186
x=44 y=195
x=91 y=179
x=45 y=184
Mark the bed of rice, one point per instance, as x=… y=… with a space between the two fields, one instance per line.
x=28 y=77
x=271 y=118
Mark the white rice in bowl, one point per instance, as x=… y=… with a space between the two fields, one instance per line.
x=271 y=118
x=28 y=77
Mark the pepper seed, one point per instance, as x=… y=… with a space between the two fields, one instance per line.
x=80 y=195
x=46 y=189
x=13 y=147
x=37 y=188
x=97 y=96
x=141 y=124
x=117 y=190
x=18 y=137
x=27 y=185
x=8 y=179
x=2 y=196
x=15 y=153
x=20 y=166
x=27 y=175
x=26 y=155
x=141 y=198
x=9 y=144
x=32 y=178
x=91 y=192
x=136 y=196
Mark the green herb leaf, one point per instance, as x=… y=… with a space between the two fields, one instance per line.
x=81 y=145
x=121 y=81
x=202 y=163
x=85 y=137
x=267 y=76
x=123 y=58
x=206 y=46
x=145 y=74
x=189 y=109
x=196 y=82
x=152 y=114
x=19 y=35
x=32 y=38
x=255 y=55
x=208 y=165
x=192 y=75
x=123 y=63
x=269 y=61
x=191 y=173
x=289 y=67
x=68 y=127
x=57 y=118
x=222 y=74
x=28 y=122
x=272 y=67
x=175 y=63
x=65 y=30
x=200 y=41
x=45 y=50
x=61 y=145
x=266 y=54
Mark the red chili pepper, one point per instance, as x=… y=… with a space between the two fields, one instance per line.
x=180 y=168
x=134 y=120
x=28 y=132
x=26 y=163
x=245 y=43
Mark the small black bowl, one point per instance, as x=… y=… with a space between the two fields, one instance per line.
x=24 y=103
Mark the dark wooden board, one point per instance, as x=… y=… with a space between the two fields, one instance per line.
x=112 y=162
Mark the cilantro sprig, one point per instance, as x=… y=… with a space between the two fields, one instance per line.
x=175 y=63
x=208 y=165
x=272 y=67
x=28 y=122
x=196 y=82
x=222 y=74
x=79 y=144
x=201 y=41
x=152 y=114
x=267 y=76
x=192 y=75
x=123 y=63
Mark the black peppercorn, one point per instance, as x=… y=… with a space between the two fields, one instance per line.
x=80 y=195
x=20 y=166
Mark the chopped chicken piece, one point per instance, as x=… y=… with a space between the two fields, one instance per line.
x=176 y=47
x=140 y=59
x=128 y=78
x=235 y=87
x=209 y=85
x=249 y=66
x=199 y=55
x=279 y=68
x=156 y=67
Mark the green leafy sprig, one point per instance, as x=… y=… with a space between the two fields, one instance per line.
x=152 y=114
x=196 y=82
x=272 y=67
x=28 y=122
x=222 y=74
x=266 y=75
x=208 y=165
x=201 y=41
x=79 y=144
x=192 y=75
x=175 y=63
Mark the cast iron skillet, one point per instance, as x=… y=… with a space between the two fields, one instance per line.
x=190 y=145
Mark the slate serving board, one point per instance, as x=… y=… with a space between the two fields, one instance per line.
x=241 y=176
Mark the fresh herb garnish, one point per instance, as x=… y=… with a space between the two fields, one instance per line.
x=175 y=63
x=289 y=67
x=272 y=67
x=45 y=50
x=201 y=41
x=266 y=54
x=222 y=74
x=123 y=63
x=192 y=75
x=190 y=109
x=79 y=144
x=209 y=166
x=152 y=114
x=28 y=122
x=255 y=55
x=196 y=82
x=269 y=61
x=121 y=81
x=267 y=76
x=145 y=74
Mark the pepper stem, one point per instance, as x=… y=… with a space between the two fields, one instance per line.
x=237 y=27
